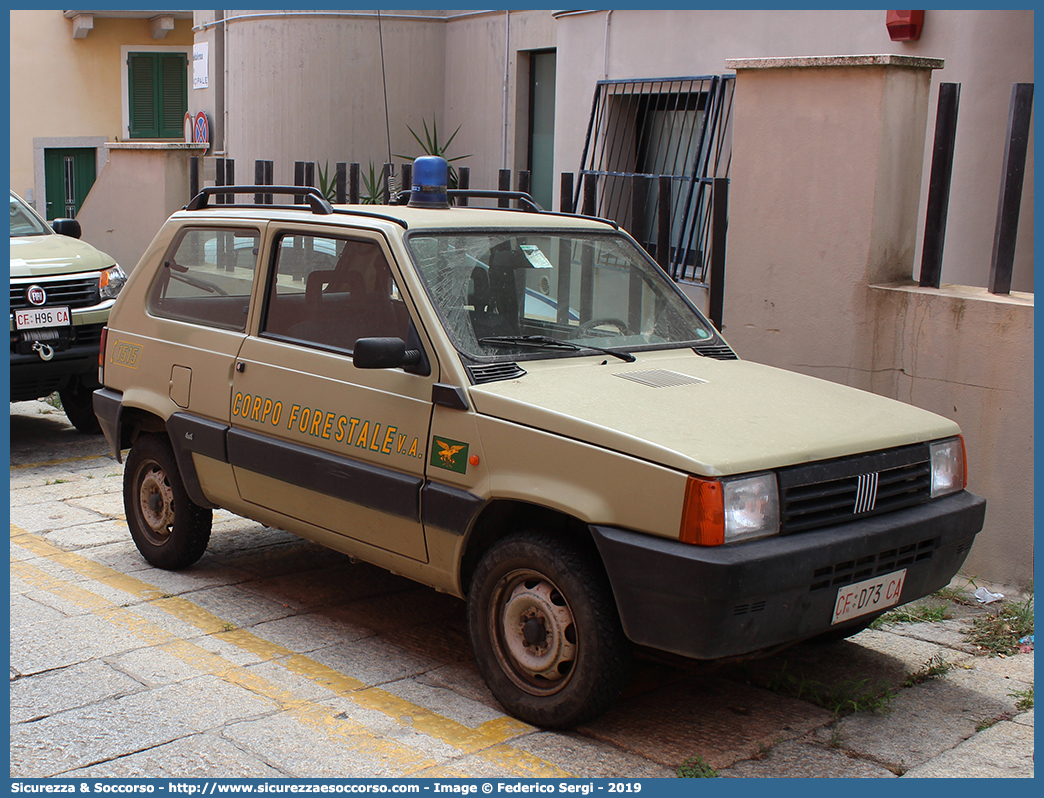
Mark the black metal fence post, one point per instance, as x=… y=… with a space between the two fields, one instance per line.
x=590 y=194
x=299 y=173
x=565 y=196
x=504 y=184
x=663 y=228
x=269 y=180
x=353 y=183
x=219 y=179
x=386 y=177
x=309 y=173
x=406 y=179
x=939 y=185
x=719 y=229
x=463 y=182
x=230 y=179
x=1011 y=188
x=341 y=183
x=259 y=180
x=193 y=175
x=639 y=205
x=524 y=179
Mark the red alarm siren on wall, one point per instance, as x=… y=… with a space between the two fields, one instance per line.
x=904 y=26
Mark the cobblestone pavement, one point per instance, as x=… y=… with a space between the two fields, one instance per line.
x=273 y=657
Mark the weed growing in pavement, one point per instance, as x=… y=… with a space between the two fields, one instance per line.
x=916 y=613
x=56 y=481
x=842 y=698
x=956 y=595
x=55 y=401
x=228 y=627
x=1025 y=698
x=932 y=669
x=1000 y=633
x=695 y=768
x=835 y=735
x=986 y=723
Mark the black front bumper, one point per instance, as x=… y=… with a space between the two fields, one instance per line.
x=709 y=603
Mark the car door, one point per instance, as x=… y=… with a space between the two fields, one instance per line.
x=313 y=437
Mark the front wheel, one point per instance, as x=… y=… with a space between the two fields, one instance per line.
x=169 y=530
x=545 y=631
x=78 y=403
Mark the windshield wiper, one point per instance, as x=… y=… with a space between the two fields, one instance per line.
x=544 y=342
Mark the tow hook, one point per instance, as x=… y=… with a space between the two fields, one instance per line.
x=43 y=350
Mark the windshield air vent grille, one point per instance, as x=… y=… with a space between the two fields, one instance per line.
x=718 y=352
x=660 y=378
x=494 y=372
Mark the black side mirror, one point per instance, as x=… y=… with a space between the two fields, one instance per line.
x=67 y=227
x=383 y=353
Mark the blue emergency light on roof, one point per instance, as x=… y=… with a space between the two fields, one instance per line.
x=430 y=176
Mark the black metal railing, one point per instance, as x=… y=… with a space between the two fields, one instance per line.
x=1009 y=204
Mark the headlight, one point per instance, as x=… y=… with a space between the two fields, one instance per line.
x=111 y=281
x=730 y=510
x=949 y=467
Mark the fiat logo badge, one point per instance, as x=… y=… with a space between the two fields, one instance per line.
x=36 y=295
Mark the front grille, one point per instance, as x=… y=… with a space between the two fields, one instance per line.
x=59 y=338
x=884 y=562
x=835 y=491
x=73 y=292
x=494 y=372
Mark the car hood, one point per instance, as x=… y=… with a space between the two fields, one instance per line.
x=704 y=416
x=42 y=256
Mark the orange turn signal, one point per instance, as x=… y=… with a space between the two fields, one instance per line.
x=703 y=515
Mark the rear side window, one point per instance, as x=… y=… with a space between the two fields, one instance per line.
x=330 y=292
x=207 y=278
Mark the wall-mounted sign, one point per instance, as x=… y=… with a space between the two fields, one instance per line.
x=201 y=65
x=190 y=134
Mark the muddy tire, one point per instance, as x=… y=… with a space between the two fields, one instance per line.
x=169 y=530
x=545 y=631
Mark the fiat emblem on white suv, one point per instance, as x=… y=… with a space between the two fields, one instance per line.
x=36 y=295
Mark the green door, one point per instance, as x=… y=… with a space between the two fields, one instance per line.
x=542 y=126
x=68 y=175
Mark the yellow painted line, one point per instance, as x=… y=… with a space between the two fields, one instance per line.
x=357 y=737
x=488 y=740
x=42 y=463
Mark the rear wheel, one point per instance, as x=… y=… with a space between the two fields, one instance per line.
x=78 y=403
x=169 y=530
x=545 y=631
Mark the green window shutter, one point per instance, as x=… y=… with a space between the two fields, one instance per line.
x=158 y=87
x=141 y=85
x=173 y=100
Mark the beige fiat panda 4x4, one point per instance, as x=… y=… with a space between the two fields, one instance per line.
x=523 y=410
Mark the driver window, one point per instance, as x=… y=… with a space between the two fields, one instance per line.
x=207 y=278
x=330 y=292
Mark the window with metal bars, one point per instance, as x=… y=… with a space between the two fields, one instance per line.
x=157 y=87
x=642 y=130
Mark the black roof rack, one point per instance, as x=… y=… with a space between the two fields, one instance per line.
x=403 y=198
x=317 y=203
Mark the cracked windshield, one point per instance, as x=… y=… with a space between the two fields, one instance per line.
x=505 y=295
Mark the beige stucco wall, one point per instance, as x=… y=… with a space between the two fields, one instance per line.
x=824 y=189
x=967 y=354
x=823 y=203
x=310 y=85
x=69 y=88
x=984 y=50
x=141 y=185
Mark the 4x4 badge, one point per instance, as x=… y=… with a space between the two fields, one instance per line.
x=451 y=455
